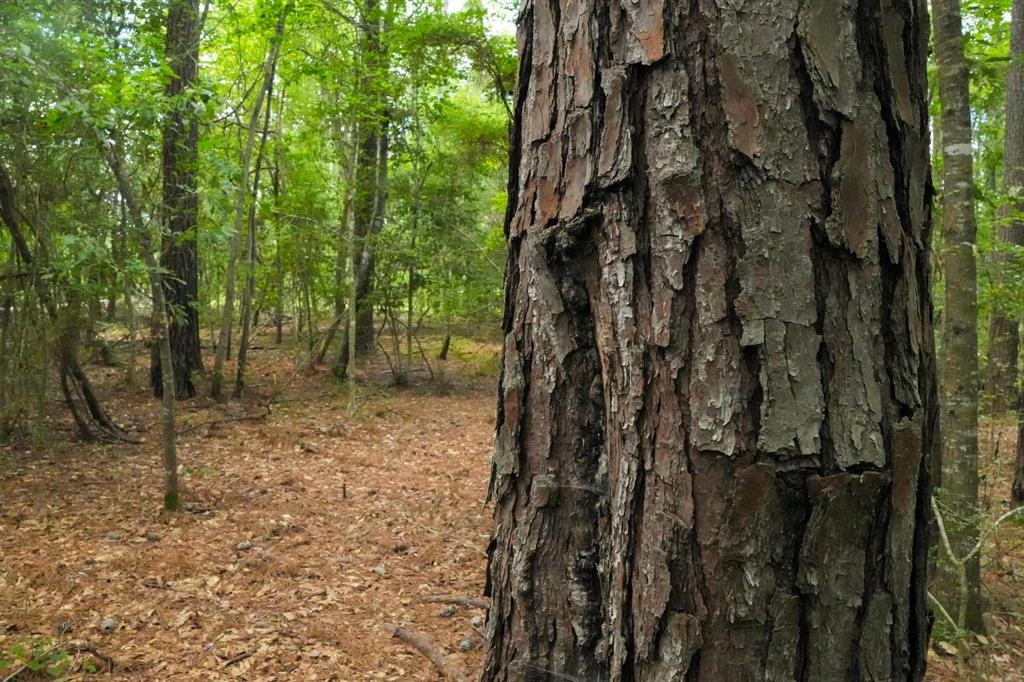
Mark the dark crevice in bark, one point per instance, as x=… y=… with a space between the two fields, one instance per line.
x=668 y=243
x=873 y=53
x=828 y=261
x=796 y=505
x=707 y=127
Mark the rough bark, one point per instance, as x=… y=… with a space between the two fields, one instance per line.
x=1004 y=327
x=179 y=255
x=717 y=406
x=960 y=378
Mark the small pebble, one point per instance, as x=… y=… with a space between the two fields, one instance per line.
x=379 y=570
x=466 y=644
x=447 y=611
x=108 y=625
x=477 y=621
x=243 y=546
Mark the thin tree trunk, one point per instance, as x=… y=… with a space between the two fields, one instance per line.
x=1017 y=491
x=371 y=170
x=88 y=413
x=960 y=310
x=161 y=336
x=1004 y=327
x=179 y=254
x=717 y=404
x=279 y=304
x=217 y=380
x=250 y=252
x=342 y=257
x=364 y=258
x=446 y=344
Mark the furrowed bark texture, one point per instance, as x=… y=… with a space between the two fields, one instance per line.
x=1004 y=329
x=960 y=377
x=181 y=202
x=717 y=407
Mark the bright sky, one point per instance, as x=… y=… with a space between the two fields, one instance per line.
x=499 y=19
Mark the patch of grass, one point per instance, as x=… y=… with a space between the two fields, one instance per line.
x=38 y=656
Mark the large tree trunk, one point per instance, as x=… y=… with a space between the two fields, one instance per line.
x=180 y=213
x=717 y=407
x=1004 y=327
x=960 y=381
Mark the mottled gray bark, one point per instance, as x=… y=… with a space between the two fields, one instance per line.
x=960 y=378
x=717 y=405
x=1004 y=327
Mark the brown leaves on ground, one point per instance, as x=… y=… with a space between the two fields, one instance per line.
x=305 y=534
x=999 y=653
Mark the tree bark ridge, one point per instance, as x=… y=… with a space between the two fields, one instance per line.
x=718 y=347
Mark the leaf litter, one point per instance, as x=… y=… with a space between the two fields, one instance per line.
x=304 y=534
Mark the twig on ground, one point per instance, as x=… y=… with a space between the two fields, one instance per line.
x=423 y=645
x=237 y=659
x=437 y=532
x=463 y=601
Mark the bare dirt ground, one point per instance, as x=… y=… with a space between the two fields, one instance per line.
x=307 y=535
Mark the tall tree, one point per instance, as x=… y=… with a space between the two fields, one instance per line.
x=717 y=405
x=371 y=165
x=179 y=255
x=90 y=417
x=114 y=153
x=960 y=380
x=1004 y=326
x=242 y=194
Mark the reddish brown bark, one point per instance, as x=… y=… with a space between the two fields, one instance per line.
x=717 y=406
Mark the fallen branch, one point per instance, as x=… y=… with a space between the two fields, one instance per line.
x=463 y=601
x=237 y=659
x=83 y=647
x=423 y=645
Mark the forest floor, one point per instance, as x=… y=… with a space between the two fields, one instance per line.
x=307 y=534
